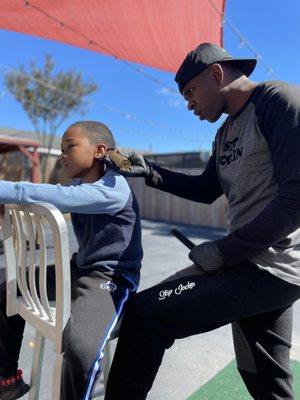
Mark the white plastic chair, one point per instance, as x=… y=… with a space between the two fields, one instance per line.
x=22 y=229
x=24 y=241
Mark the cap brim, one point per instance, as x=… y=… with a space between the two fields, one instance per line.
x=245 y=65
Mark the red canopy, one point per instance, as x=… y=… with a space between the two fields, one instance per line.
x=158 y=33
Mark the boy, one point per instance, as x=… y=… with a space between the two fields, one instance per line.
x=104 y=271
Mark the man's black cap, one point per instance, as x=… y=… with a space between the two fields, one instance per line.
x=205 y=55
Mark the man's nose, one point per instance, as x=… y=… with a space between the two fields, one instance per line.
x=190 y=105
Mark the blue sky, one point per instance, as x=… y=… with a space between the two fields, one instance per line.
x=142 y=114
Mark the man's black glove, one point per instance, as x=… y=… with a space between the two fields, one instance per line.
x=207 y=257
x=139 y=167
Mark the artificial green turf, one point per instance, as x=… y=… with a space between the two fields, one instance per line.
x=228 y=385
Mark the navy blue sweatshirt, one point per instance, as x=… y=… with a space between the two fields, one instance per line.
x=105 y=219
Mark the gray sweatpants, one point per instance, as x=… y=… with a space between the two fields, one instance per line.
x=189 y=303
x=98 y=301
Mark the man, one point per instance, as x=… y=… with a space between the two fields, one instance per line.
x=251 y=277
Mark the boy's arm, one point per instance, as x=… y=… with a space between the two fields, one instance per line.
x=107 y=197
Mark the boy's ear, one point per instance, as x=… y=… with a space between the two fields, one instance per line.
x=100 y=150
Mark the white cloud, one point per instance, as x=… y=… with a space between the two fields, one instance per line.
x=173 y=100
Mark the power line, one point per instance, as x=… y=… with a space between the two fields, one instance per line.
x=108 y=109
x=128 y=116
x=243 y=41
x=92 y=42
x=37 y=80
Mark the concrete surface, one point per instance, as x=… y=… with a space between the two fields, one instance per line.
x=191 y=361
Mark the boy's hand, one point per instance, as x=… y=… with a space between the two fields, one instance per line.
x=139 y=166
x=207 y=256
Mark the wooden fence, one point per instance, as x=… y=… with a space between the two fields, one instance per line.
x=161 y=206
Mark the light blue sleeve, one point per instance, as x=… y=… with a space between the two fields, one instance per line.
x=106 y=196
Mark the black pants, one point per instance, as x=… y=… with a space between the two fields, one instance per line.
x=97 y=303
x=189 y=303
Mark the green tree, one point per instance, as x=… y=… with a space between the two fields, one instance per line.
x=48 y=98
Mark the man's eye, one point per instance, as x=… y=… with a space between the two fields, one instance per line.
x=71 y=145
x=188 y=93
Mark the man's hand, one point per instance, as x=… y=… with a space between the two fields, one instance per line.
x=207 y=256
x=139 y=166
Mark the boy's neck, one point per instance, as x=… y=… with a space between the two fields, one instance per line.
x=95 y=173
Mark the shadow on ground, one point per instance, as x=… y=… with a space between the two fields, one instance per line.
x=164 y=229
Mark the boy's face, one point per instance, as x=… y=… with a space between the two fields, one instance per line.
x=78 y=154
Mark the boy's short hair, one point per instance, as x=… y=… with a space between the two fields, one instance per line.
x=96 y=132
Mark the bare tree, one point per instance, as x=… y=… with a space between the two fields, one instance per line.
x=48 y=98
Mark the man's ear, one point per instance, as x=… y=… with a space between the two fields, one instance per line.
x=217 y=74
x=100 y=150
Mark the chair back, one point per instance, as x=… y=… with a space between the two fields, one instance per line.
x=26 y=230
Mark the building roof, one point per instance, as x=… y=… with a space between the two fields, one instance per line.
x=185 y=160
x=26 y=135
x=8 y=143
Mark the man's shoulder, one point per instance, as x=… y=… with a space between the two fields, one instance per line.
x=278 y=90
x=273 y=100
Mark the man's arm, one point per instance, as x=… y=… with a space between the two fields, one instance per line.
x=204 y=188
x=108 y=197
x=279 y=120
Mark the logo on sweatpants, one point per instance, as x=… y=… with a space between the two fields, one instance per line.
x=163 y=294
x=108 y=286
